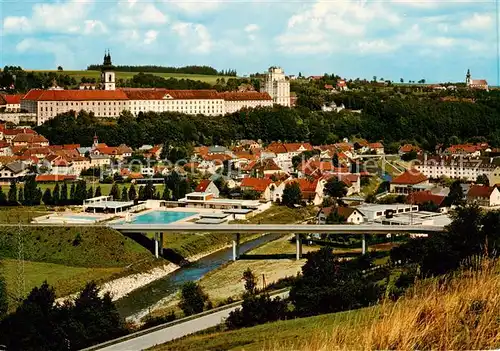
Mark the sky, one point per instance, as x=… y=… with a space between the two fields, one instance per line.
x=436 y=40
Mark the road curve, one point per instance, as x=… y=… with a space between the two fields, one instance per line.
x=169 y=333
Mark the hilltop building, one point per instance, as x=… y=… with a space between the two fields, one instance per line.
x=277 y=86
x=108 y=101
x=475 y=83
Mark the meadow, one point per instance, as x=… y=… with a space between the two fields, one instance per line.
x=458 y=311
x=128 y=75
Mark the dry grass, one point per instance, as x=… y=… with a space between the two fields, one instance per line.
x=459 y=313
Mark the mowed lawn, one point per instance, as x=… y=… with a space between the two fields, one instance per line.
x=282 y=335
x=64 y=279
x=128 y=75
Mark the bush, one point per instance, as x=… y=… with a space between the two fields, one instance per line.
x=257 y=310
x=328 y=285
x=193 y=299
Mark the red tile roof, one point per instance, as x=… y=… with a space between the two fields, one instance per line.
x=376 y=145
x=16 y=131
x=341 y=211
x=410 y=177
x=76 y=95
x=30 y=139
x=54 y=177
x=480 y=191
x=257 y=184
x=409 y=147
x=421 y=197
x=328 y=86
x=13 y=99
x=193 y=94
x=277 y=148
x=202 y=187
x=244 y=96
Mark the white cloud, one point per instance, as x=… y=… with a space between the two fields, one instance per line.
x=196 y=37
x=16 y=24
x=332 y=26
x=63 y=56
x=150 y=36
x=477 y=22
x=375 y=46
x=94 y=27
x=252 y=28
x=134 y=13
x=195 y=6
x=66 y=17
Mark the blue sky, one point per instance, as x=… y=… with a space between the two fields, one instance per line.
x=432 y=39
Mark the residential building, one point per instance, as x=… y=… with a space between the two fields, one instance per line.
x=408 y=182
x=408 y=148
x=350 y=215
x=482 y=195
x=207 y=186
x=277 y=86
x=424 y=197
x=259 y=185
x=464 y=168
x=13 y=171
x=11 y=102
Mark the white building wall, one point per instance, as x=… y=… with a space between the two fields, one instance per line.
x=276 y=85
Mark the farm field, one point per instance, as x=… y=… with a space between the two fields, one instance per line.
x=128 y=75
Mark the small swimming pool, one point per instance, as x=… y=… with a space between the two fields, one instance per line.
x=161 y=217
x=85 y=218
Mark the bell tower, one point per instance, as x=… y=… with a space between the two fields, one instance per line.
x=467 y=78
x=107 y=73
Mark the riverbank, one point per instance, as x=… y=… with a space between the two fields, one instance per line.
x=121 y=287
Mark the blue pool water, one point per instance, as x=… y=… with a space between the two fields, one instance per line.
x=161 y=217
x=88 y=218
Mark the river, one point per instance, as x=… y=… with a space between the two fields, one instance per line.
x=141 y=300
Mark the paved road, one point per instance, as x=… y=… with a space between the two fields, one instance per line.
x=176 y=331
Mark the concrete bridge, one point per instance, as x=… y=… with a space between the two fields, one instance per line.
x=238 y=229
x=297 y=229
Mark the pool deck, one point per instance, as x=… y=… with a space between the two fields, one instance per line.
x=69 y=217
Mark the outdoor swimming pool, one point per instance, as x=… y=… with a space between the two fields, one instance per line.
x=85 y=218
x=161 y=217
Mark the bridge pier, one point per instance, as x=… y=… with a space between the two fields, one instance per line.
x=363 y=245
x=161 y=244
x=156 y=245
x=298 y=246
x=236 y=246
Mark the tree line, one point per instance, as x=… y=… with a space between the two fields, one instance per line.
x=63 y=194
x=203 y=70
x=426 y=122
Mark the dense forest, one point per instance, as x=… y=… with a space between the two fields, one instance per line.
x=427 y=122
x=205 y=70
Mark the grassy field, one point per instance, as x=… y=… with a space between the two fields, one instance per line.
x=64 y=279
x=80 y=247
x=456 y=312
x=128 y=75
x=269 y=336
x=69 y=257
x=283 y=215
x=21 y=214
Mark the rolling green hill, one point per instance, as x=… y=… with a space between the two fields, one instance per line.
x=127 y=75
x=67 y=258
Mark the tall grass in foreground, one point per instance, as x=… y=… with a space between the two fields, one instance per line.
x=460 y=312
